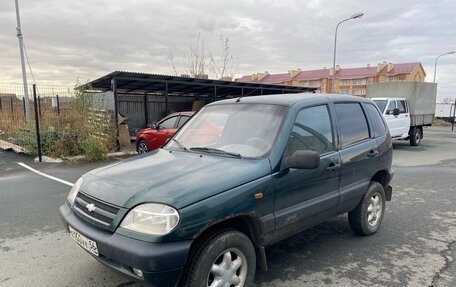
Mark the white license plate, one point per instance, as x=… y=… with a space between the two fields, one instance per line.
x=85 y=242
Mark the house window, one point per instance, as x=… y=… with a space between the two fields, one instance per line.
x=345 y=91
x=392 y=79
x=345 y=83
x=359 y=91
x=359 y=81
x=314 y=84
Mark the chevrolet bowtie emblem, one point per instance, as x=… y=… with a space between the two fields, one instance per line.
x=91 y=207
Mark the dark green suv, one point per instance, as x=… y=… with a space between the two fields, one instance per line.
x=239 y=175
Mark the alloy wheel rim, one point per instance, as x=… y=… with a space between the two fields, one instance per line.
x=374 y=210
x=417 y=137
x=228 y=269
x=142 y=148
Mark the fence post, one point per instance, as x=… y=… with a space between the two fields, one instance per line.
x=12 y=110
x=39 y=105
x=25 y=112
x=37 y=124
x=454 y=114
x=58 y=104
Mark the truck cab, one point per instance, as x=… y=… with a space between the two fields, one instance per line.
x=397 y=115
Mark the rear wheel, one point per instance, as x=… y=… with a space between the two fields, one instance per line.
x=227 y=258
x=415 y=136
x=366 y=218
x=143 y=147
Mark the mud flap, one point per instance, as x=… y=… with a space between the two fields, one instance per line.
x=261 y=258
x=388 y=193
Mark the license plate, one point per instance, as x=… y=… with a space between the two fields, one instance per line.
x=85 y=242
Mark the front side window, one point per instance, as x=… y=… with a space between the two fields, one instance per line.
x=390 y=108
x=182 y=121
x=312 y=131
x=168 y=123
x=248 y=130
x=352 y=123
x=401 y=106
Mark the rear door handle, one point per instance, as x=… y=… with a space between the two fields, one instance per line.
x=333 y=167
x=372 y=154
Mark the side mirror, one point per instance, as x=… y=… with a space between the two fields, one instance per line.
x=304 y=159
x=153 y=126
x=395 y=112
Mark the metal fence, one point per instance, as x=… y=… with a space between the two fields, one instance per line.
x=56 y=122
x=51 y=117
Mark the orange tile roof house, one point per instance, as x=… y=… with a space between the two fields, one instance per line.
x=351 y=81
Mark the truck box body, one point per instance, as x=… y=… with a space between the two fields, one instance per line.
x=421 y=98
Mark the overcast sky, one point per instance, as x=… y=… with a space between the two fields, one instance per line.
x=86 y=39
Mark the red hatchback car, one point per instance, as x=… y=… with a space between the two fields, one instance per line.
x=152 y=138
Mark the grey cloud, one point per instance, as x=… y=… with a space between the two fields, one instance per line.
x=86 y=39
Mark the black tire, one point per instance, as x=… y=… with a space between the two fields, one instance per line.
x=142 y=147
x=212 y=249
x=415 y=136
x=359 y=217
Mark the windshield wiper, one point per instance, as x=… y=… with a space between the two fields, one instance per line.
x=216 y=151
x=180 y=145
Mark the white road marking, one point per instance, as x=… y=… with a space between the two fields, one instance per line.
x=45 y=175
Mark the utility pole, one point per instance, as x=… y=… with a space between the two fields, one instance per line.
x=24 y=74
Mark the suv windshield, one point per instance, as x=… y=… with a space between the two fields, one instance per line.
x=381 y=104
x=240 y=130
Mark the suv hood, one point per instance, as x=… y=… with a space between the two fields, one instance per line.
x=176 y=178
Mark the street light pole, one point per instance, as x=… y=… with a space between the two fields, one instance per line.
x=354 y=16
x=24 y=74
x=435 y=64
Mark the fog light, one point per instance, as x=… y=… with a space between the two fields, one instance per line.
x=138 y=272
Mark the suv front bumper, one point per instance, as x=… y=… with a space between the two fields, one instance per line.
x=161 y=263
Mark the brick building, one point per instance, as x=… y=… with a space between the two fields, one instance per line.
x=351 y=81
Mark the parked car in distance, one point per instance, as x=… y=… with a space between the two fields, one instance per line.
x=155 y=136
x=200 y=210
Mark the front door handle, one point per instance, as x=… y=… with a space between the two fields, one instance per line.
x=332 y=167
x=372 y=154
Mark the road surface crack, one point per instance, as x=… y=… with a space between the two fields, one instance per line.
x=448 y=261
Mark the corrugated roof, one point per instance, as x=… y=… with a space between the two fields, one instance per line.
x=144 y=83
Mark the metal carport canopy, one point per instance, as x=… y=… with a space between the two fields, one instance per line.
x=133 y=83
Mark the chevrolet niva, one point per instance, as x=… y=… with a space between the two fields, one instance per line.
x=200 y=210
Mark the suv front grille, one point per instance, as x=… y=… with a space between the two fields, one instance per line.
x=102 y=214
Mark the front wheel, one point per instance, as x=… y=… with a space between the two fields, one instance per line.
x=366 y=218
x=227 y=258
x=143 y=147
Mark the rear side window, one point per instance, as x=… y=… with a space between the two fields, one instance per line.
x=352 y=123
x=376 y=120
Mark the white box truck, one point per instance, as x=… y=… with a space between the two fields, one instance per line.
x=406 y=106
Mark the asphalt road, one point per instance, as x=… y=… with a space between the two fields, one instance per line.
x=414 y=247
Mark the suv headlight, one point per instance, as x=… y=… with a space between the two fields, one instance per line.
x=151 y=218
x=74 y=190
